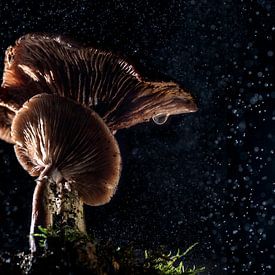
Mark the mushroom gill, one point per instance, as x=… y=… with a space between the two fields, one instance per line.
x=97 y=79
x=6 y=117
x=72 y=152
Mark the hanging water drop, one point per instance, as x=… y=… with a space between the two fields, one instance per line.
x=160 y=118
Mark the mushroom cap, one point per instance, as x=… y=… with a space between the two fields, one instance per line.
x=59 y=135
x=100 y=80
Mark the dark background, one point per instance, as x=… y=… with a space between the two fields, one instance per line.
x=205 y=177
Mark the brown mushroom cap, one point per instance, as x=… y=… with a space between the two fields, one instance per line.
x=97 y=79
x=62 y=136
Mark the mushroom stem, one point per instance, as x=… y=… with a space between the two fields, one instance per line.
x=40 y=211
x=55 y=204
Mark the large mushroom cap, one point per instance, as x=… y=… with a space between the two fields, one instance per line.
x=57 y=134
x=97 y=79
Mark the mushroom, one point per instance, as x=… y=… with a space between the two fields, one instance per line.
x=59 y=104
x=97 y=79
x=74 y=155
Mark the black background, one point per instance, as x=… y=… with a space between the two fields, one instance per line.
x=205 y=177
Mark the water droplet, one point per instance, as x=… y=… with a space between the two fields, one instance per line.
x=160 y=118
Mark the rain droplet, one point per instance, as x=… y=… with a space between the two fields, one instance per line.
x=160 y=118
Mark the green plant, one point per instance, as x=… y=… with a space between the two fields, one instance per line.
x=172 y=264
x=67 y=233
x=45 y=233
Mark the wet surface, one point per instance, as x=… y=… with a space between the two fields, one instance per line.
x=205 y=177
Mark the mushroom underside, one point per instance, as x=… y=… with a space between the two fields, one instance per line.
x=6 y=117
x=97 y=79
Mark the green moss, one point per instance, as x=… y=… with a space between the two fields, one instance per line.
x=120 y=260
x=67 y=233
x=172 y=264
